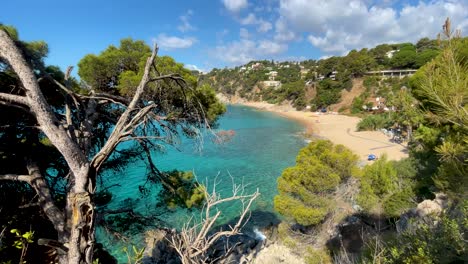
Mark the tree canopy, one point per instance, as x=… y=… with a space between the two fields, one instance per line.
x=59 y=135
x=305 y=189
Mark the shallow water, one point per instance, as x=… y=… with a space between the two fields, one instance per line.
x=263 y=145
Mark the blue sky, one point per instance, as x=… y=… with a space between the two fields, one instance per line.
x=218 y=33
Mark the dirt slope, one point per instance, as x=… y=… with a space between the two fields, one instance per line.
x=348 y=97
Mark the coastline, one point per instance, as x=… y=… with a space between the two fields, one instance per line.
x=340 y=129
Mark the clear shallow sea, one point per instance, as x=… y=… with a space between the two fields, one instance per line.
x=263 y=145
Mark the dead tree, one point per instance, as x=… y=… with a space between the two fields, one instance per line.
x=71 y=136
x=195 y=239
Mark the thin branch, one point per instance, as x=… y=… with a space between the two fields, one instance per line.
x=15 y=177
x=192 y=243
x=11 y=98
x=120 y=127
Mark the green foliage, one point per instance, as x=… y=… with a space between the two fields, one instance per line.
x=370 y=82
x=305 y=189
x=181 y=189
x=22 y=239
x=318 y=256
x=12 y=31
x=292 y=91
x=134 y=256
x=404 y=59
x=388 y=186
x=206 y=96
x=289 y=75
x=380 y=54
x=357 y=63
x=102 y=72
x=425 y=57
x=375 y=122
x=439 y=240
x=426 y=44
x=114 y=71
x=441 y=87
x=328 y=93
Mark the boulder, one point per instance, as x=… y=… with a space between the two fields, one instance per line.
x=158 y=249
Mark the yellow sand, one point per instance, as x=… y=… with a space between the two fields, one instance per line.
x=340 y=129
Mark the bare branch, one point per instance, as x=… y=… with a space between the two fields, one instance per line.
x=43 y=112
x=173 y=76
x=122 y=123
x=107 y=97
x=11 y=98
x=193 y=243
x=15 y=177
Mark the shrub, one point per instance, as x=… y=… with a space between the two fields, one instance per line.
x=375 y=122
x=305 y=190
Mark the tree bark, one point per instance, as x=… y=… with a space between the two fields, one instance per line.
x=81 y=240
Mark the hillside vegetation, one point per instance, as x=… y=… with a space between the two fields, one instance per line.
x=414 y=210
x=327 y=78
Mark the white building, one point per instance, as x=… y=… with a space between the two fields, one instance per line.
x=390 y=54
x=272 y=75
x=274 y=84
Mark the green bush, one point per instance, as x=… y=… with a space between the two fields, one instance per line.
x=305 y=190
x=388 y=185
x=438 y=240
x=375 y=122
x=318 y=256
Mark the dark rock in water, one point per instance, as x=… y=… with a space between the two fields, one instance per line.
x=158 y=249
x=225 y=250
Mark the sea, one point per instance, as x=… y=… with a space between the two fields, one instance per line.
x=259 y=146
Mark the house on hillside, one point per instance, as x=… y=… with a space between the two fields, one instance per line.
x=272 y=75
x=304 y=72
x=257 y=66
x=392 y=73
x=390 y=54
x=272 y=84
x=376 y=103
x=332 y=75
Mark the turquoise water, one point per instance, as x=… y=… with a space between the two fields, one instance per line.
x=263 y=145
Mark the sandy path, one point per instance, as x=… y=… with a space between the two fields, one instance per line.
x=340 y=129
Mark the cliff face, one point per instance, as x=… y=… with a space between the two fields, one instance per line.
x=230 y=99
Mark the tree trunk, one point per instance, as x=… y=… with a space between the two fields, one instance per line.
x=80 y=208
x=82 y=241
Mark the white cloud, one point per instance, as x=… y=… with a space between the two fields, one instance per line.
x=262 y=25
x=283 y=32
x=235 y=5
x=250 y=19
x=186 y=26
x=245 y=50
x=221 y=34
x=269 y=47
x=336 y=26
x=193 y=67
x=244 y=33
x=172 y=42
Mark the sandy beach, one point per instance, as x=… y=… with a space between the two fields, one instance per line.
x=340 y=129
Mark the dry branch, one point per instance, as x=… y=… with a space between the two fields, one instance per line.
x=194 y=242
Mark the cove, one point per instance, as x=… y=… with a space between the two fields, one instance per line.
x=263 y=145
